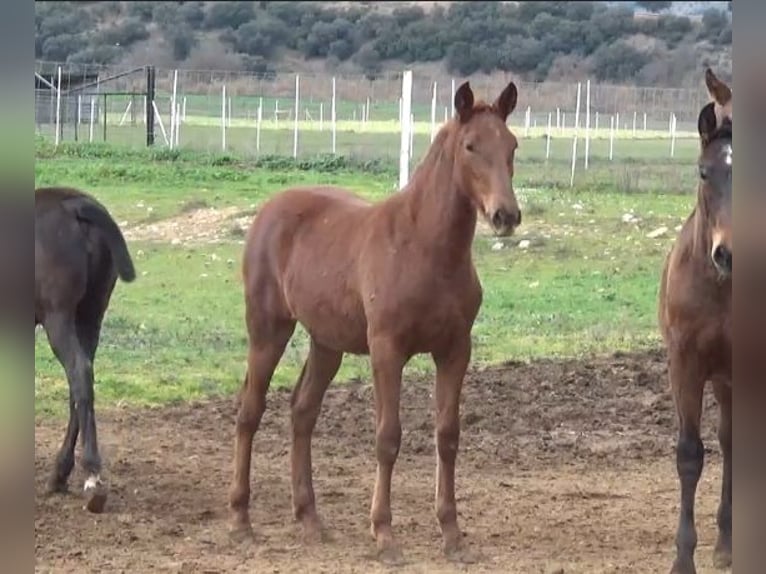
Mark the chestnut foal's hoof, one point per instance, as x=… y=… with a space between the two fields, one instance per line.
x=391 y=555
x=240 y=533
x=313 y=531
x=95 y=493
x=456 y=551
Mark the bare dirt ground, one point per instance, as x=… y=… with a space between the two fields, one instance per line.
x=564 y=466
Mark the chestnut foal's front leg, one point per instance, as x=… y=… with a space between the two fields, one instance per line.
x=387 y=364
x=451 y=367
x=688 y=387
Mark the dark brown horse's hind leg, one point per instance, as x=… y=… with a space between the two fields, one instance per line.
x=320 y=368
x=62 y=335
x=263 y=356
x=688 y=388
x=65 y=458
x=722 y=557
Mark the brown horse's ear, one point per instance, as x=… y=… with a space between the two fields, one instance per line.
x=464 y=102
x=719 y=91
x=506 y=102
x=707 y=123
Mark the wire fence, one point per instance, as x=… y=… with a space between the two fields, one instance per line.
x=306 y=115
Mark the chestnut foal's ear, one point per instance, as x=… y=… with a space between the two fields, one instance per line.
x=506 y=102
x=707 y=123
x=464 y=102
x=719 y=91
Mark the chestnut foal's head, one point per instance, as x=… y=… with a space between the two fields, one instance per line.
x=715 y=160
x=484 y=156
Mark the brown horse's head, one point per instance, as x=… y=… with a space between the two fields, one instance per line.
x=715 y=159
x=484 y=155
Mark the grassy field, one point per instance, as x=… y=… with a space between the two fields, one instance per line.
x=586 y=282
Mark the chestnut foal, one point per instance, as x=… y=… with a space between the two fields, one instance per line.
x=695 y=319
x=392 y=280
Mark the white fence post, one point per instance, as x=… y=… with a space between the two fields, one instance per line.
x=644 y=121
x=332 y=116
x=587 y=123
x=673 y=136
x=452 y=98
x=258 y=120
x=321 y=116
x=548 y=138
x=527 y=120
x=92 y=117
x=58 y=108
x=297 y=116
x=433 y=113
x=178 y=125
x=574 y=140
x=611 y=137
x=173 y=115
x=404 y=152
x=223 y=117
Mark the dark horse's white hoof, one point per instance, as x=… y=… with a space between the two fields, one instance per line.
x=95 y=494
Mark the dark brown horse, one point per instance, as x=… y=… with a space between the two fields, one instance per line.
x=79 y=252
x=695 y=319
x=391 y=280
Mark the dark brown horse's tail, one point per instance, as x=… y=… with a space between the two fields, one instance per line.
x=88 y=209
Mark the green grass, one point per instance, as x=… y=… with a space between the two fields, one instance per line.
x=587 y=283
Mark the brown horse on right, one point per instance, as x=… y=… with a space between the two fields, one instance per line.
x=392 y=280
x=695 y=319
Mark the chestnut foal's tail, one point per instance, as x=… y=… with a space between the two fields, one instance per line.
x=88 y=209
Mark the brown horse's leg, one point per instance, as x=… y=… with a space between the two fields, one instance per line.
x=688 y=388
x=62 y=334
x=450 y=370
x=722 y=557
x=387 y=365
x=320 y=368
x=263 y=356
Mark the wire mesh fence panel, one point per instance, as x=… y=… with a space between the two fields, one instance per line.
x=258 y=114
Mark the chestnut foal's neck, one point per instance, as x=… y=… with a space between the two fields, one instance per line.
x=444 y=216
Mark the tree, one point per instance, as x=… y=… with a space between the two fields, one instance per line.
x=654 y=6
x=259 y=37
x=229 y=15
x=714 y=22
x=368 y=59
x=618 y=61
x=182 y=39
x=461 y=59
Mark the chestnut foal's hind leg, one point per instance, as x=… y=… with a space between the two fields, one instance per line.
x=318 y=371
x=722 y=556
x=387 y=364
x=263 y=356
x=688 y=388
x=450 y=371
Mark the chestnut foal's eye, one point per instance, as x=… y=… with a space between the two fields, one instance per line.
x=469 y=146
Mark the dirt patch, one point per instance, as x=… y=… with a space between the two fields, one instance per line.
x=206 y=225
x=564 y=466
x=195 y=226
